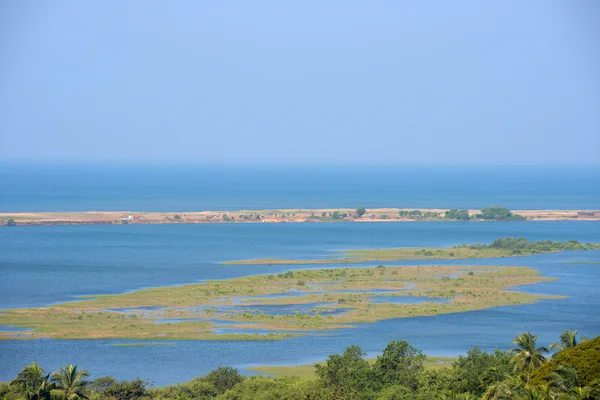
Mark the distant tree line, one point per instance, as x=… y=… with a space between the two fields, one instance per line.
x=399 y=373
x=418 y=214
x=522 y=245
x=496 y=213
x=499 y=213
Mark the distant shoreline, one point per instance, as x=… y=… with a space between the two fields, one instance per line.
x=267 y=216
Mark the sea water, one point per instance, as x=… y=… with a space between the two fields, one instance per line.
x=194 y=188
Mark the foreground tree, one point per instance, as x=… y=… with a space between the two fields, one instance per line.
x=400 y=363
x=32 y=383
x=526 y=356
x=347 y=375
x=71 y=383
x=224 y=378
x=568 y=340
x=126 y=390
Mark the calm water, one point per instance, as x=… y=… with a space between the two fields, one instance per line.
x=111 y=259
x=84 y=188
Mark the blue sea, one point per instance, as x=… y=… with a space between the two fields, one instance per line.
x=44 y=265
x=178 y=188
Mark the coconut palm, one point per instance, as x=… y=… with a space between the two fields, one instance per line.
x=529 y=392
x=70 y=383
x=450 y=395
x=506 y=389
x=568 y=339
x=564 y=378
x=584 y=393
x=492 y=376
x=526 y=356
x=32 y=383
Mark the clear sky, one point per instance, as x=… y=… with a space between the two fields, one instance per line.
x=391 y=82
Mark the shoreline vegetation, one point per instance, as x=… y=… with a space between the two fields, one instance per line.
x=296 y=302
x=501 y=247
x=401 y=372
x=307 y=371
x=360 y=214
x=277 y=306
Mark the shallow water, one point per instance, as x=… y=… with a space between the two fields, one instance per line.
x=114 y=259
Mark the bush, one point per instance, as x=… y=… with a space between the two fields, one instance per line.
x=223 y=378
x=400 y=363
x=268 y=388
x=177 y=217
x=461 y=215
x=413 y=214
x=499 y=213
x=584 y=358
x=126 y=390
x=360 y=211
x=11 y=222
x=348 y=375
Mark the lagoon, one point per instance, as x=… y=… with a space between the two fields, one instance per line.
x=94 y=260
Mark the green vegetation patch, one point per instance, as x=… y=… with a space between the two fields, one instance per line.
x=307 y=371
x=584 y=358
x=501 y=247
x=343 y=297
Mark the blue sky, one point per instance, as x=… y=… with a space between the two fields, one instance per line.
x=421 y=82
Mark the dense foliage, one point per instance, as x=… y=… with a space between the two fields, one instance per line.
x=495 y=213
x=498 y=213
x=418 y=214
x=461 y=215
x=522 y=245
x=584 y=358
x=398 y=373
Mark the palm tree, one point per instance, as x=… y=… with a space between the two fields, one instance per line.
x=568 y=339
x=450 y=395
x=564 y=378
x=585 y=393
x=491 y=376
x=527 y=357
x=32 y=383
x=70 y=383
x=529 y=392
x=506 y=389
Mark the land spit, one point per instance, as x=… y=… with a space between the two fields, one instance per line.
x=267 y=216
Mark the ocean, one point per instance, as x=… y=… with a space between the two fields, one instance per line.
x=159 y=188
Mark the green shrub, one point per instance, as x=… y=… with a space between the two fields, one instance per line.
x=584 y=358
x=223 y=378
x=461 y=215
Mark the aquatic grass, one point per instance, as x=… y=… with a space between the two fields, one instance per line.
x=500 y=248
x=344 y=292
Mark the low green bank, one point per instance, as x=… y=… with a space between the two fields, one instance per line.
x=501 y=247
x=350 y=295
